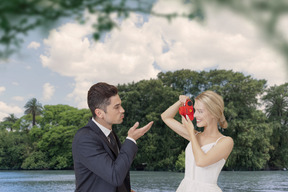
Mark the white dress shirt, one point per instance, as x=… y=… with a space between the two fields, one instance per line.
x=107 y=131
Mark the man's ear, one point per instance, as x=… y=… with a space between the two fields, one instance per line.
x=99 y=113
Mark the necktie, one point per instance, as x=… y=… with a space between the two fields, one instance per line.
x=113 y=142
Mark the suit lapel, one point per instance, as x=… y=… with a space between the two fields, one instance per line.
x=126 y=184
x=98 y=131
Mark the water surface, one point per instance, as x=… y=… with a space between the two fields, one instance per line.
x=63 y=181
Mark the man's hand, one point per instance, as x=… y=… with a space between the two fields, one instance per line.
x=137 y=133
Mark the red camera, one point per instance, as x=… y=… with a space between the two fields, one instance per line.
x=187 y=109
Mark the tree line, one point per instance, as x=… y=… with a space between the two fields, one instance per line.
x=257 y=118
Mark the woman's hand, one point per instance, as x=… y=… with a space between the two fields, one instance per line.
x=188 y=124
x=183 y=98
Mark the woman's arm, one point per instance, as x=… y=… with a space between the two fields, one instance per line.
x=168 y=118
x=220 y=151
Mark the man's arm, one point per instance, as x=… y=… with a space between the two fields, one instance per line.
x=135 y=133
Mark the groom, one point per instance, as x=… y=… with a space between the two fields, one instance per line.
x=101 y=163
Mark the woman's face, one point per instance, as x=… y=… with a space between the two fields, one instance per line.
x=202 y=115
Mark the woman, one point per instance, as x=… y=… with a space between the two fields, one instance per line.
x=207 y=151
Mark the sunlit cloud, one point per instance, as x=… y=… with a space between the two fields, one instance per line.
x=2 y=89
x=34 y=45
x=6 y=109
x=48 y=91
x=131 y=53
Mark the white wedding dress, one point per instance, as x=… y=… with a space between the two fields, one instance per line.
x=200 y=179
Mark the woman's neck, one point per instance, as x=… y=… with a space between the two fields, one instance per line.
x=211 y=131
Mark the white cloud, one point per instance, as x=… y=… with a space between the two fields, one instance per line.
x=80 y=92
x=121 y=58
x=124 y=56
x=217 y=44
x=5 y=110
x=224 y=41
x=48 y=91
x=34 y=45
x=2 y=89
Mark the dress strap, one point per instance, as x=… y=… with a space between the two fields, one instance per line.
x=219 y=139
x=198 y=132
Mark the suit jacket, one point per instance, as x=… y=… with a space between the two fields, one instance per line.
x=97 y=169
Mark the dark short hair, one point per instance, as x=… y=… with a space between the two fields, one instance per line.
x=99 y=96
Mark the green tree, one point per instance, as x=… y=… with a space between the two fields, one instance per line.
x=54 y=115
x=186 y=81
x=251 y=142
x=180 y=163
x=276 y=107
x=14 y=147
x=276 y=103
x=144 y=101
x=36 y=160
x=260 y=140
x=24 y=123
x=56 y=144
x=51 y=141
x=34 y=108
x=9 y=122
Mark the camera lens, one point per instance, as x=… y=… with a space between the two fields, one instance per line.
x=189 y=103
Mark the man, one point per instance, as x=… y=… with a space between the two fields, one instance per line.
x=99 y=167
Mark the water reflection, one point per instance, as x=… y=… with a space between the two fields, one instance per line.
x=263 y=181
x=155 y=181
x=36 y=181
x=63 y=181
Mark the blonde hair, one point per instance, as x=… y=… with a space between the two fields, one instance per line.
x=215 y=105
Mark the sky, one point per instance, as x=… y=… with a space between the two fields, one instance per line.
x=60 y=65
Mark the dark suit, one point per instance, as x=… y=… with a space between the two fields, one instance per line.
x=97 y=169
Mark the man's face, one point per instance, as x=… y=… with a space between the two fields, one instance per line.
x=114 y=112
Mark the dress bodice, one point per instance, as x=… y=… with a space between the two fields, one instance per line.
x=207 y=174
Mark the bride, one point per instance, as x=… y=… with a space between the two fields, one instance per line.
x=207 y=151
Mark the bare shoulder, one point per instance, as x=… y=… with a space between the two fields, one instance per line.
x=228 y=141
x=227 y=144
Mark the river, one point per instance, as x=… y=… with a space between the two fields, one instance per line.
x=142 y=181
